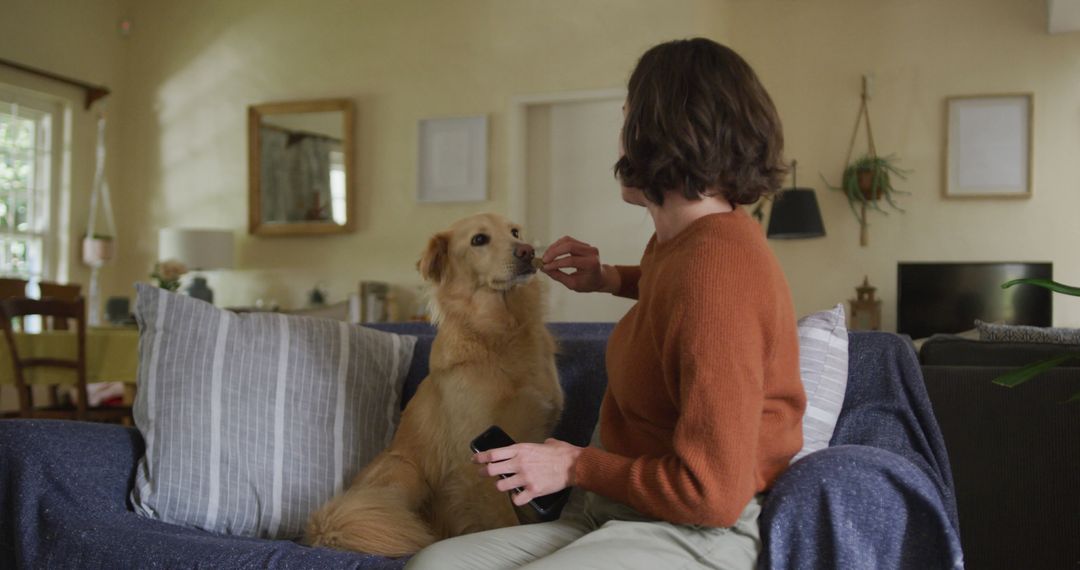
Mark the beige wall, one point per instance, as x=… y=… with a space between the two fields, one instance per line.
x=185 y=76
x=195 y=66
x=79 y=40
x=811 y=55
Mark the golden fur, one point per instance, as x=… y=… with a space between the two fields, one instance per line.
x=492 y=362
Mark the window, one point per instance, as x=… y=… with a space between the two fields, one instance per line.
x=26 y=144
x=337 y=187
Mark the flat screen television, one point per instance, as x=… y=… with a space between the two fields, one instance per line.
x=948 y=297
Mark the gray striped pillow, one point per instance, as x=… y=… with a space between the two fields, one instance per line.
x=252 y=421
x=823 y=363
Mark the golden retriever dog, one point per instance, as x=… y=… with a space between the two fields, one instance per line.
x=492 y=362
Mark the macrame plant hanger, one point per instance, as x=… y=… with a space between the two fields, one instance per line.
x=864 y=111
x=97 y=250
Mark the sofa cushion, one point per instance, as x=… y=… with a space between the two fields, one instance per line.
x=579 y=358
x=252 y=421
x=823 y=364
x=952 y=350
x=1025 y=333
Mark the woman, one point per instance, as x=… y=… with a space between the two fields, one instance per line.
x=704 y=404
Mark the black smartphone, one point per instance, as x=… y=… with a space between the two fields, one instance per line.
x=547 y=506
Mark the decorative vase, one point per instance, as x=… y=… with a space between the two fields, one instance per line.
x=865 y=177
x=200 y=290
x=96 y=250
x=118 y=310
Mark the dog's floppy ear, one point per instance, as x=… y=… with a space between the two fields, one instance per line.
x=432 y=264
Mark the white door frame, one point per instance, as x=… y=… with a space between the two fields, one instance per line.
x=518 y=115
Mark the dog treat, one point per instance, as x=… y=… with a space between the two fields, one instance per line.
x=537 y=262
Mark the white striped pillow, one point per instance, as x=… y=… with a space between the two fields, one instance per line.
x=823 y=364
x=252 y=421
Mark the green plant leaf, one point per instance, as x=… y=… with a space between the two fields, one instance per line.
x=1045 y=284
x=888 y=198
x=854 y=210
x=846 y=189
x=1075 y=398
x=1021 y=375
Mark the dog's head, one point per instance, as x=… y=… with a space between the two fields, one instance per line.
x=481 y=251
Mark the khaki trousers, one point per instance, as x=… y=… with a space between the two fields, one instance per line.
x=595 y=532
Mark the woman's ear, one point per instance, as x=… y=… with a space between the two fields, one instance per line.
x=433 y=261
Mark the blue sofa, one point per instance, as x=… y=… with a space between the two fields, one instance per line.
x=880 y=497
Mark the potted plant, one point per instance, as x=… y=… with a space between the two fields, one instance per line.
x=167 y=274
x=1021 y=375
x=866 y=182
x=97 y=249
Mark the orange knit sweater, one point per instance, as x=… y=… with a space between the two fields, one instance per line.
x=704 y=402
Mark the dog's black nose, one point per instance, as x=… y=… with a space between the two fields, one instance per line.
x=524 y=252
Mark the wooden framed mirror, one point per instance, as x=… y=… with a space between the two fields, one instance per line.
x=300 y=171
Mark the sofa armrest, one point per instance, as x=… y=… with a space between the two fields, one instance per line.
x=49 y=466
x=64 y=504
x=93 y=464
x=1015 y=454
x=854 y=506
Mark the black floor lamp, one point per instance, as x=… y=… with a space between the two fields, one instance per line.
x=795 y=213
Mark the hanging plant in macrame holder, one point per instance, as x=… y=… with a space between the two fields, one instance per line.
x=98 y=245
x=868 y=181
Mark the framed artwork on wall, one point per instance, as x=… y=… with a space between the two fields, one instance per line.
x=452 y=161
x=988 y=146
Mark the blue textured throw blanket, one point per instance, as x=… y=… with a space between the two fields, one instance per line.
x=880 y=497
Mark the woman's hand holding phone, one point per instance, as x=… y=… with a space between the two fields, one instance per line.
x=537 y=468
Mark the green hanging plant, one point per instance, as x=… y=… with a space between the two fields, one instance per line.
x=1021 y=375
x=868 y=181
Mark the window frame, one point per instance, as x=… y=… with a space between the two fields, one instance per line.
x=41 y=104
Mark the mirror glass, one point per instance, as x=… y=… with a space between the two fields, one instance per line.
x=301 y=177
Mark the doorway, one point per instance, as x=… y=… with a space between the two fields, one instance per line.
x=570 y=147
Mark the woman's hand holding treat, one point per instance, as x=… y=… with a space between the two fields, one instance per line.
x=589 y=274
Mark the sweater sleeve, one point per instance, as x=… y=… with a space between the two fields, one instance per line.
x=628 y=280
x=715 y=349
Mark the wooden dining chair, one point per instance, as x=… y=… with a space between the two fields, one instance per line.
x=75 y=310
x=50 y=290
x=11 y=287
x=66 y=292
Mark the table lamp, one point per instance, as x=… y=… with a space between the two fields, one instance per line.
x=795 y=214
x=199 y=250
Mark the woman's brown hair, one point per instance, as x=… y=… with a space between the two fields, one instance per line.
x=698 y=118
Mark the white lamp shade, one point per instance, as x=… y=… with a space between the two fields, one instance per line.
x=197 y=249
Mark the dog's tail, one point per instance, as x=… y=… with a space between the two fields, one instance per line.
x=379 y=514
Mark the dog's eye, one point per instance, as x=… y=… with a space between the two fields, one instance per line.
x=480 y=239
x=516 y=233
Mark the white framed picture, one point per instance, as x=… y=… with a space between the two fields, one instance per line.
x=452 y=162
x=988 y=146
